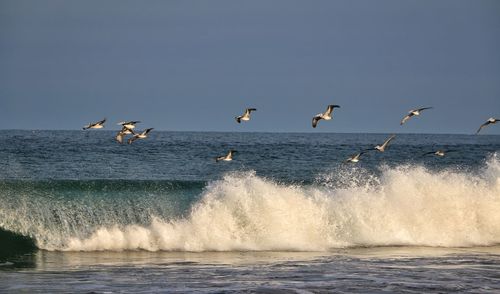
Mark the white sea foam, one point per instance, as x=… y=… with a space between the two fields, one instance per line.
x=409 y=205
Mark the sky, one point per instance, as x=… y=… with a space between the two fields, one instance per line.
x=194 y=65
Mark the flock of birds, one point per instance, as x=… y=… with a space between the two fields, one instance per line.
x=128 y=129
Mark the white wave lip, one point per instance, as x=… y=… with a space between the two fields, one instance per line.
x=407 y=206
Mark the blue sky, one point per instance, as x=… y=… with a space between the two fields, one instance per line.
x=194 y=65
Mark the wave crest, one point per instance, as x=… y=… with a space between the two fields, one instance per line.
x=407 y=205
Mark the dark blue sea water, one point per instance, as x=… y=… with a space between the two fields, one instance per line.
x=79 y=211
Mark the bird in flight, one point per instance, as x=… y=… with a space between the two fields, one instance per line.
x=490 y=121
x=96 y=125
x=245 y=116
x=137 y=136
x=440 y=153
x=355 y=158
x=122 y=133
x=327 y=115
x=382 y=147
x=128 y=124
x=413 y=112
x=227 y=157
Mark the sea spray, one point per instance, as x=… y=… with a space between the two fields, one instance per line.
x=409 y=206
x=405 y=205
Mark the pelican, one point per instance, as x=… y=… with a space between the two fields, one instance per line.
x=122 y=133
x=356 y=157
x=414 y=112
x=245 y=116
x=382 y=147
x=327 y=115
x=142 y=135
x=96 y=125
x=440 y=153
x=227 y=157
x=128 y=124
x=487 y=123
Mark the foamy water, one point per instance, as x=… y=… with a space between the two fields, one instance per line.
x=408 y=205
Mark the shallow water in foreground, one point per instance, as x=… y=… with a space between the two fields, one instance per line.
x=368 y=270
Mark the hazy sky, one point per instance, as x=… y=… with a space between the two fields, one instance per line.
x=194 y=65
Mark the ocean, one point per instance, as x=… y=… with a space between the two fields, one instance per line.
x=81 y=213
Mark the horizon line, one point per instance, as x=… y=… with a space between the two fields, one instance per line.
x=264 y=132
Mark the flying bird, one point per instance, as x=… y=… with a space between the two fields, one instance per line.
x=122 y=133
x=414 y=112
x=128 y=124
x=355 y=158
x=227 y=157
x=245 y=116
x=490 y=121
x=440 y=153
x=142 y=135
x=327 y=115
x=382 y=147
x=96 y=125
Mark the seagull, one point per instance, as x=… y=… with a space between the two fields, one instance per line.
x=96 y=125
x=487 y=123
x=382 y=147
x=128 y=124
x=245 y=116
x=327 y=115
x=440 y=153
x=356 y=157
x=227 y=157
x=122 y=133
x=413 y=113
x=142 y=135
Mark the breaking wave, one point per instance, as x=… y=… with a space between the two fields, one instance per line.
x=404 y=205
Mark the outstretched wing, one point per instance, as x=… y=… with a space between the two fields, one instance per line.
x=101 y=122
x=388 y=141
x=147 y=131
x=132 y=139
x=126 y=131
x=330 y=108
x=482 y=126
x=423 y=108
x=132 y=122
x=249 y=110
x=119 y=137
x=315 y=120
x=407 y=117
